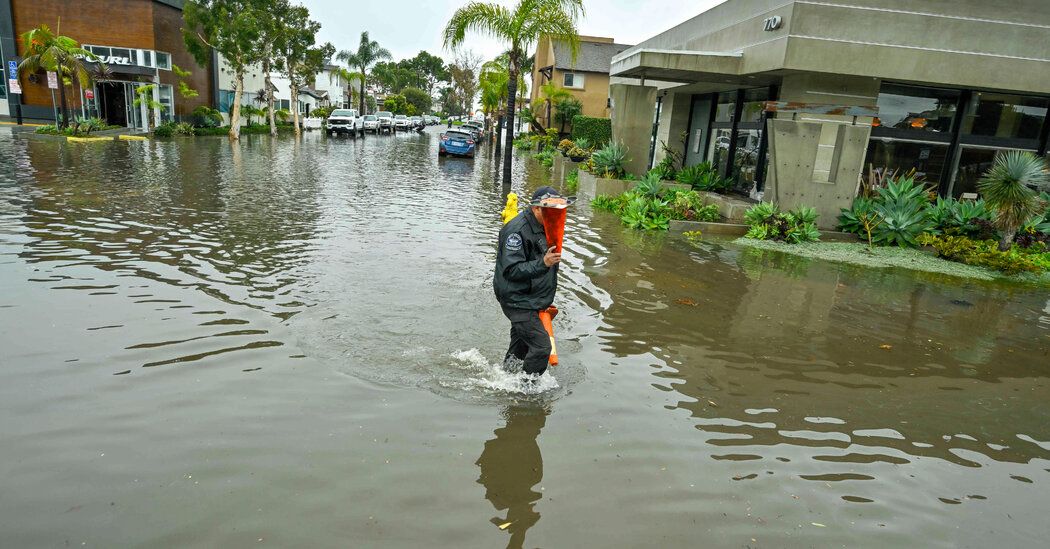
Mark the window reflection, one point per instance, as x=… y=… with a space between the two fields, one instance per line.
x=922 y=109
x=1008 y=116
x=745 y=158
x=926 y=158
x=719 y=153
x=974 y=162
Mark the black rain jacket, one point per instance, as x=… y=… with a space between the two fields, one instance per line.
x=522 y=280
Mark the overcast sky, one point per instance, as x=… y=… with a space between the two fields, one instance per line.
x=407 y=26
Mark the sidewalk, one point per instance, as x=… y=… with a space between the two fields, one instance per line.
x=31 y=122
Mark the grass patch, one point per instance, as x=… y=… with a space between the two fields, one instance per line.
x=856 y=253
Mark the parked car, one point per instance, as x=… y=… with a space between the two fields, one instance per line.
x=475 y=128
x=457 y=142
x=370 y=123
x=386 y=121
x=401 y=122
x=345 y=121
x=418 y=123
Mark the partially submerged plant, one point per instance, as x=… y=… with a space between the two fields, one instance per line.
x=767 y=222
x=610 y=161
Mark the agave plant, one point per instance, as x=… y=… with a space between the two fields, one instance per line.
x=610 y=160
x=851 y=220
x=693 y=175
x=649 y=186
x=1007 y=188
x=760 y=213
x=903 y=221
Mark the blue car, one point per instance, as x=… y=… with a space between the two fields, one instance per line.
x=457 y=142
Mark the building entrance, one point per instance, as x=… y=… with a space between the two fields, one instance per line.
x=113 y=103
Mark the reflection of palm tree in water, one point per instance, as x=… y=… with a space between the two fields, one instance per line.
x=511 y=465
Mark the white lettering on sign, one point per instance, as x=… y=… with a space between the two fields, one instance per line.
x=773 y=23
x=114 y=60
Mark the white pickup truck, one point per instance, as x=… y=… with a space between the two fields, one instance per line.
x=345 y=121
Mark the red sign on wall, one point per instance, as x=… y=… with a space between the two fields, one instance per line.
x=88 y=94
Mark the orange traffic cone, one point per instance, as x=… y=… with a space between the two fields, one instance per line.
x=547 y=318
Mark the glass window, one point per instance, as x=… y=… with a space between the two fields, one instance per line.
x=754 y=103
x=3 y=90
x=726 y=106
x=166 y=99
x=974 y=162
x=226 y=98
x=719 y=148
x=123 y=53
x=922 y=109
x=163 y=61
x=568 y=79
x=147 y=58
x=134 y=57
x=745 y=158
x=928 y=159
x=1009 y=116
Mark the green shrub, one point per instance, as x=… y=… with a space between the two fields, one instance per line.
x=646 y=213
x=598 y=131
x=523 y=143
x=649 y=186
x=546 y=156
x=766 y=222
x=986 y=253
x=703 y=177
x=901 y=206
x=689 y=206
x=610 y=161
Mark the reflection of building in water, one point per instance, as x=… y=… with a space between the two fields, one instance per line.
x=511 y=465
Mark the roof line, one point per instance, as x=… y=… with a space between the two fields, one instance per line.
x=621 y=56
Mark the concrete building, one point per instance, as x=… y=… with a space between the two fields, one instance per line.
x=586 y=77
x=139 y=40
x=794 y=98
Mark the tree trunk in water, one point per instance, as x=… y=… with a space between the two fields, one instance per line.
x=235 y=110
x=548 y=113
x=1007 y=240
x=295 y=111
x=62 y=100
x=512 y=93
x=269 y=96
x=499 y=131
x=361 y=100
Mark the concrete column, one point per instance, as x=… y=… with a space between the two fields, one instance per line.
x=632 y=122
x=674 y=121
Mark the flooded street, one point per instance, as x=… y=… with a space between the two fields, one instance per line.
x=296 y=344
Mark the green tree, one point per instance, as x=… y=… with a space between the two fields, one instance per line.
x=231 y=28
x=464 y=75
x=552 y=94
x=566 y=110
x=398 y=104
x=344 y=77
x=519 y=27
x=184 y=88
x=1007 y=188
x=430 y=70
x=367 y=54
x=297 y=54
x=493 y=84
x=418 y=98
x=44 y=50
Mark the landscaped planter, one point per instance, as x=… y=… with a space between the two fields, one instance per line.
x=707 y=228
x=667 y=184
x=561 y=169
x=731 y=209
x=592 y=185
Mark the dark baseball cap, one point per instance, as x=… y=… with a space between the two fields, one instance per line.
x=542 y=193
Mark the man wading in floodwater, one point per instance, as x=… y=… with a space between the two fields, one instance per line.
x=525 y=281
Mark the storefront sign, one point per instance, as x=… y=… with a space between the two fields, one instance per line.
x=52 y=80
x=773 y=23
x=114 y=60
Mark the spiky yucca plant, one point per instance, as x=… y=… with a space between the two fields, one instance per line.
x=1007 y=189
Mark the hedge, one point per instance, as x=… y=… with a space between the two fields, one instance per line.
x=597 y=130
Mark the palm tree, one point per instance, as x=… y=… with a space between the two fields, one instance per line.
x=344 y=77
x=520 y=27
x=52 y=52
x=493 y=84
x=1007 y=188
x=553 y=94
x=367 y=54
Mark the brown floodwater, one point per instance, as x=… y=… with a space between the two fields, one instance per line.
x=295 y=344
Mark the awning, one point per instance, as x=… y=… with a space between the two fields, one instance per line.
x=676 y=65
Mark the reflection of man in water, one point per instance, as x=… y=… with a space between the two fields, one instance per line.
x=511 y=465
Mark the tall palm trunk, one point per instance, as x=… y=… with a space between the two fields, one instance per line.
x=512 y=92
x=235 y=110
x=269 y=96
x=499 y=131
x=62 y=100
x=295 y=110
x=361 y=99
